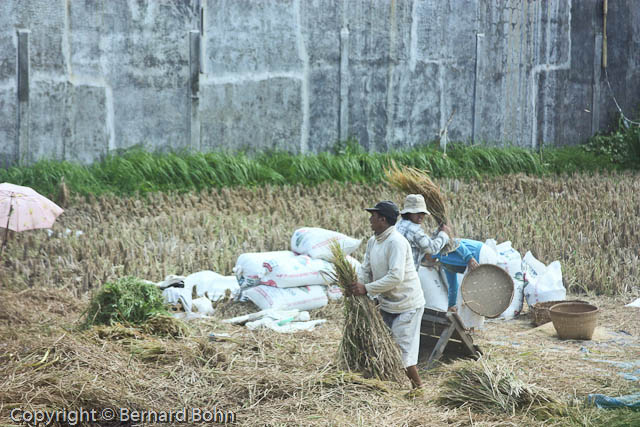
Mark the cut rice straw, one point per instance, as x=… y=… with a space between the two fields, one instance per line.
x=488 y=386
x=415 y=181
x=367 y=346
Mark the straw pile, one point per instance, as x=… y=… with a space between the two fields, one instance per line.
x=367 y=346
x=489 y=386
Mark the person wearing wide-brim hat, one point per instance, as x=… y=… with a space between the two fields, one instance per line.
x=410 y=226
x=389 y=272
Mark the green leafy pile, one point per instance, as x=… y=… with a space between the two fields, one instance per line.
x=128 y=300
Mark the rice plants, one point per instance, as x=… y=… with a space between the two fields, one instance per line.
x=136 y=171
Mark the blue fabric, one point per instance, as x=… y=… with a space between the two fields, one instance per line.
x=466 y=250
x=603 y=401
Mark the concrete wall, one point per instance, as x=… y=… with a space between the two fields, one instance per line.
x=81 y=78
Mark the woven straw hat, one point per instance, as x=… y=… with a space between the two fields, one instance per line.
x=414 y=203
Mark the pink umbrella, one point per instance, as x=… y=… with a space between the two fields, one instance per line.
x=22 y=208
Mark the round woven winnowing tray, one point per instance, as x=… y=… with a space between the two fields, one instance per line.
x=487 y=290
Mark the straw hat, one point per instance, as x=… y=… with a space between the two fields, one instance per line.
x=414 y=203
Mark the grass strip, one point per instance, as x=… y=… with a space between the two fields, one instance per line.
x=137 y=171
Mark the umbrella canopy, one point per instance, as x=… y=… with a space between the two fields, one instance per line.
x=22 y=208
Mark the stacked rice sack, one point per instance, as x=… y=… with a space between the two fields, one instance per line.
x=293 y=279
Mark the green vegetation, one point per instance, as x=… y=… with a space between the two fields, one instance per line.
x=137 y=171
x=620 y=147
x=127 y=300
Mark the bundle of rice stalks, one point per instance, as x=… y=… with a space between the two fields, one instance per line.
x=414 y=181
x=367 y=346
x=165 y=326
x=487 y=386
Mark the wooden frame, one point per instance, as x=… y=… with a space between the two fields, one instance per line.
x=442 y=331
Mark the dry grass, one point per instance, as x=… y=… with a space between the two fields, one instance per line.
x=576 y=220
x=589 y=223
x=487 y=386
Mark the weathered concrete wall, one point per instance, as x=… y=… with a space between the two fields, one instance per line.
x=80 y=78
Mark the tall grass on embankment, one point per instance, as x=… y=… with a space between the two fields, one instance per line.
x=138 y=171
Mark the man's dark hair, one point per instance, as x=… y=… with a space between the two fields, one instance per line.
x=390 y=220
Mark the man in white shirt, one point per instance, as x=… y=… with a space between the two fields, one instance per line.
x=389 y=272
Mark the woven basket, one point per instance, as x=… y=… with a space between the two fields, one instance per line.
x=540 y=311
x=573 y=320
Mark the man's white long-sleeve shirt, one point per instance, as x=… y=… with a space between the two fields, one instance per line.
x=388 y=271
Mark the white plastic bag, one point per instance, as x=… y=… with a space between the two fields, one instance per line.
x=250 y=266
x=316 y=242
x=434 y=290
x=202 y=305
x=512 y=257
x=296 y=271
x=217 y=288
x=515 y=307
x=174 y=296
x=211 y=284
x=301 y=298
x=543 y=283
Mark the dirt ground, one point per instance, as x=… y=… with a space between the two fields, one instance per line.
x=267 y=378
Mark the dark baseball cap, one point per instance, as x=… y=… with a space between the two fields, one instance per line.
x=385 y=208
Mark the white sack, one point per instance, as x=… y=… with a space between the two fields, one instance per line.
x=295 y=271
x=174 y=296
x=316 y=242
x=301 y=298
x=543 y=283
x=334 y=292
x=250 y=266
x=469 y=318
x=202 y=305
x=217 y=288
x=211 y=284
x=433 y=288
x=515 y=308
x=512 y=258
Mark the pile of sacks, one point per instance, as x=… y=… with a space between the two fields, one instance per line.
x=293 y=279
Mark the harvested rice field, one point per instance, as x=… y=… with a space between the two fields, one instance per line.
x=587 y=222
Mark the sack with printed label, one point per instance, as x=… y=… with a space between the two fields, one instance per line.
x=249 y=267
x=300 y=270
x=316 y=242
